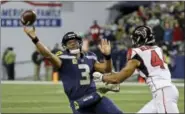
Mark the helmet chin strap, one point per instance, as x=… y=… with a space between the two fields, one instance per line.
x=74 y=51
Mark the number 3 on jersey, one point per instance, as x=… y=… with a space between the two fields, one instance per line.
x=85 y=74
x=156 y=61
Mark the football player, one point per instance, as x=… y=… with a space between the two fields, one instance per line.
x=76 y=69
x=147 y=58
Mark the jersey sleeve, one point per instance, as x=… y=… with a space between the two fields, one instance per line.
x=130 y=54
x=134 y=54
x=93 y=56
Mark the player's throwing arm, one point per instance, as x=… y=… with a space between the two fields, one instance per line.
x=27 y=20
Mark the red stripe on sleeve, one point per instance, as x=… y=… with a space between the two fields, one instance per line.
x=129 y=53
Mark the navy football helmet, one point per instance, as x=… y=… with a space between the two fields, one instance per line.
x=71 y=36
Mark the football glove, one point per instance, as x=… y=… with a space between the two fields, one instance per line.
x=97 y=76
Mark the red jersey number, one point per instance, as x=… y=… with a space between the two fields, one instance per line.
x=156 y=61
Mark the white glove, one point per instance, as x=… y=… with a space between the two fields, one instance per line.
x=97 y=76
x=110 y=87
x=114 y=87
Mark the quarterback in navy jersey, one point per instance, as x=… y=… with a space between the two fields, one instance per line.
x=75 y=69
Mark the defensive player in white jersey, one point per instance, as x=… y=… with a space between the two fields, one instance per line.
x=147 y=58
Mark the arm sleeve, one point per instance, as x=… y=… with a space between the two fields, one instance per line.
x=132 y=54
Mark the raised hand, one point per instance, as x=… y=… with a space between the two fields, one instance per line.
x=30 y=32
x=105 y=47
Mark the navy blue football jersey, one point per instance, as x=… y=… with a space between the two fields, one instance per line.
x=76 y=74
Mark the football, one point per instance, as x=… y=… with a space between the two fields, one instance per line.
x=28 y=18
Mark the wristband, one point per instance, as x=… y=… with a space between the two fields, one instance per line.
x=35 y=40
x=107 y=57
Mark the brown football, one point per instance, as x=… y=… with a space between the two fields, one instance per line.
x=28 y=18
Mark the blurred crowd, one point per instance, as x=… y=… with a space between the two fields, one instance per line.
x=165 y=18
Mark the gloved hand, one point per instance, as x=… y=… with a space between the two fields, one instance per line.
x=109 y=87
x=97 y=76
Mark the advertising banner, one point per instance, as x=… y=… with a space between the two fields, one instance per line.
x=48 y=13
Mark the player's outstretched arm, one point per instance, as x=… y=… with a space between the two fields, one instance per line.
x=126 y=72
x=105 y=49
x=42 y=48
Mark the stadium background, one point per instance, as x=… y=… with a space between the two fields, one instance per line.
x=116 y=19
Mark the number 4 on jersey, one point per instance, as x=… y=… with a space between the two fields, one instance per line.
x=156 y=61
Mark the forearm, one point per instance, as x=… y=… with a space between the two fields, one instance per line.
x=111 y=78
x=108 y=65
x=116 y=78
x=105 y=67
x=43 y=50
x=125 y=73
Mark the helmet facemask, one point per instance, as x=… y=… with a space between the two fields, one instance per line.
x=74 y=47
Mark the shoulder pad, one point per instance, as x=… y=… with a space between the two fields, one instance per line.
x=91 y=53
x=58 y=53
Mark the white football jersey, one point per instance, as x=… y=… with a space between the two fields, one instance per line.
x=153 y=67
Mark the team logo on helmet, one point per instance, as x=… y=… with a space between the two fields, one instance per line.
x=141 y=31
x=71 y=35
